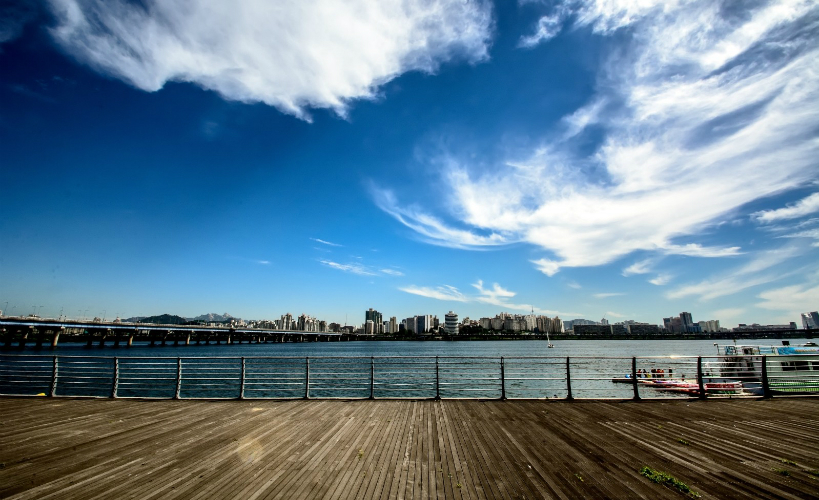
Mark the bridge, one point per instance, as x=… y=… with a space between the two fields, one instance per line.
x=18 y=332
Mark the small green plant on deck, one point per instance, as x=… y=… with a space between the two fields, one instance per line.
x=788 y=462
x=668 y=481
x=360 y=454
x=578 y=476
x=683 y=442
x=814 y=473
x=783 y=472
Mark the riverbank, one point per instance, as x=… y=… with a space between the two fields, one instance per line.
x=88 y=448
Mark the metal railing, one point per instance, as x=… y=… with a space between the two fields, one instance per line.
x=398 y=377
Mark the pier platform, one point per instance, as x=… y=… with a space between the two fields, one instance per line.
x=64 y=448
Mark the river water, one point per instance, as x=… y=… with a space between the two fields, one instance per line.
x=508 y=348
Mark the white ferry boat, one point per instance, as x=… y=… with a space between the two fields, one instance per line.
x=790 y=368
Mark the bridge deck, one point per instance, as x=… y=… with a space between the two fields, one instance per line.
x=73 y=448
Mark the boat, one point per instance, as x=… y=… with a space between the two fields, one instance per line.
x=792 y=369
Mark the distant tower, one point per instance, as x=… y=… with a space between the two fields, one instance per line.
x=451 y=323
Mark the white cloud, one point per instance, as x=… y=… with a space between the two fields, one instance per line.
x=263 y=262
x=350 y=268
x=444 y=292
x=641 y=267
x=805 y=206
x=432 y=229
x=574 y=284
x=497 y=296
x=607 y=295
x=612 y=314
x=392 y=272
x=328 y=243
x=794 y=299
x=546 y=266
x=696 y=250
x=660 y=279
x=289 y=54
x=713 y=111
x=547 y=28
x=757 y=271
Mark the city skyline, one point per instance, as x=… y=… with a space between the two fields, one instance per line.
x=581 y=159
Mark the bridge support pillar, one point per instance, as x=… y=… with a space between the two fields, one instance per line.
x=131 y=339
x=188 y=339
x=164 y=340
x=24 y=337
x=116 y=340
x=56 y=337
x=39 y=340
x=90 y=342
x=104 y=336
x=228 y=341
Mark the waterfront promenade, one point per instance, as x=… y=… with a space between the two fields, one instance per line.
x=102 y=448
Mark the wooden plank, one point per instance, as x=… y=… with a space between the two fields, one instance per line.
x=95 y=449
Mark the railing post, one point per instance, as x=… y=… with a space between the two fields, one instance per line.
x=568 y=379
x=437 y=380
x=503 y=380
x=307 y=377
x=372 y=377
x=766 y=385
x=178 y=378
x=634 y=378
x=115 y=382
x=700 y=381
x=242 y=382
x=53 y=391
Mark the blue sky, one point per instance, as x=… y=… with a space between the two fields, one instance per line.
x=626 y=159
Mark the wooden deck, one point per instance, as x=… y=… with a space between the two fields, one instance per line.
x=75 y=448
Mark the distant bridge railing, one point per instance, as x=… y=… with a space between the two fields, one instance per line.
x=414 y=377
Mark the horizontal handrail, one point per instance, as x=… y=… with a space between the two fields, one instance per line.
x=281 y=377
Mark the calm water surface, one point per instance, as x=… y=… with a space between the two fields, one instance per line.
x=506 y=348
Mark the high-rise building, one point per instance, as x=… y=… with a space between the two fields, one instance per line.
x=451 y=323
x=373 y=315
x=810 y=320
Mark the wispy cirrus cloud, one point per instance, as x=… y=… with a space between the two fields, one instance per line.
x=758 y=271
x=794 y=299
x=328 y=243
x=606 y=295
x=805 y=206
x=288 y=54
x=353 y=268
x=361 y=269
x=640 y=267
x=702 y=99
x=810 y=233
x=496 y=295
x=444 y=292
x=660 y=279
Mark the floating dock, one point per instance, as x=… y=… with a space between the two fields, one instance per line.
x=105 y=448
